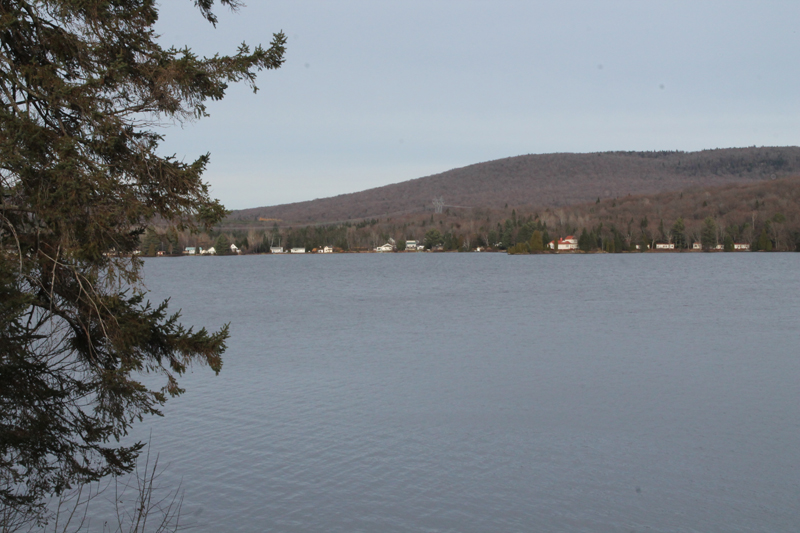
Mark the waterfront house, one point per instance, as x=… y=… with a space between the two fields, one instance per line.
x=411 y=246
x=276 y=250
x=567 y=243
x=385 y=248
x=665 y=246
x=298 y=250
x=327 y=250
x=699 y=246
x=741 y=246
x=189 y=250
x=235 y=249
x=210 y=251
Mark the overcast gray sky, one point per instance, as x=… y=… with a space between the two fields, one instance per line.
x=382 y=91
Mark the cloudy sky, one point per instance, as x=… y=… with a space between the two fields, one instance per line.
x=377 y=92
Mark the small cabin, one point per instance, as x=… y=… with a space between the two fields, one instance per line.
x=298 y=250
x=276 y=250
x=385 y=248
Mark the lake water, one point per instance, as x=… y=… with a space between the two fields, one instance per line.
x=488 y=393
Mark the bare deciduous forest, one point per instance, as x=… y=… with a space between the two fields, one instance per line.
x=550 y=180
x=751 y=213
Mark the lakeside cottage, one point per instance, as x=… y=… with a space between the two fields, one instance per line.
x=385 y=248
x=567 y=243
x=298 y=250
x=699 y=246
x=411 y=245
x=737 y=246
x=325 y=250
x=210 y=251
x=189 y=250
x=665 y=246
x=276 y=250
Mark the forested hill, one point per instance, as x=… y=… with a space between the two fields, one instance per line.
x=545 y=180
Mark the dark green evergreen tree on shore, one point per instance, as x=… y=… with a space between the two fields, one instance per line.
x=763 y=243
x=727 y=243
x=584 y=243
x=678 y=232
x=83 y=86
x=708 y=235
x=433 y=237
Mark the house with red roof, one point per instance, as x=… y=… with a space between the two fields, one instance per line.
x=567 y=243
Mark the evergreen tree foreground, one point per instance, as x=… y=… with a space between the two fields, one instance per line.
x=84 y=86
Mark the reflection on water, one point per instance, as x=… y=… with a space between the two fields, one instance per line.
x=482 y=392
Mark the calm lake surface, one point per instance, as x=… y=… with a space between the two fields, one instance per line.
x=488 y=393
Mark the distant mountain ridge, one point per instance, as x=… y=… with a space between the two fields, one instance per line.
x=546 y=180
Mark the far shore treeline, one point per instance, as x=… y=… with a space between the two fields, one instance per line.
x=764 y=215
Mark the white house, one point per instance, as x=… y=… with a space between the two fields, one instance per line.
x=741 y=246
x=298 y=250
x=385 y=248
x=190 y=250
x=411 y=245
x=276 y=250
x=327 y=250
x=665 y=246
x=699 y=246
x=567 y=243
x=210 y=251
x=235 y=249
